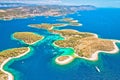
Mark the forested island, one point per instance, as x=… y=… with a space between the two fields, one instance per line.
x=85 y=45
x=28 y=37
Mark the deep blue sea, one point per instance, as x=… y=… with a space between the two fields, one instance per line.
x=39 y=64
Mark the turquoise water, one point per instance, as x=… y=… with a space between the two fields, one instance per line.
x=39 y=63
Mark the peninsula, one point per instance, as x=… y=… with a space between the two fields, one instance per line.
x=85 y=45
x=28 y=37
x=6 y=56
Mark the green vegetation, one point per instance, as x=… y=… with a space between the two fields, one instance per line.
x=27 y=37
x=3 y=76
x=72 y=34
x=10 y=53
x=71 y=21
x=13 y=52
x=43 y=26
x=46 y=26
x=84 y=44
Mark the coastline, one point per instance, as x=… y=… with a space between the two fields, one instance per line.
x=63 y=25
x=3 y=19
x=35 y=41
x=94 y=56
x=40 y=28
x=22 y=41
x=10 y=76
x=94 y=34
x=67 y=61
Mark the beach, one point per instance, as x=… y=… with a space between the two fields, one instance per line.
x=94 y=56
x=34 y=42
x=68 y=60
x=10 y=76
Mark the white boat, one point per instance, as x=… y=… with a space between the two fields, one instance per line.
x=97 y=69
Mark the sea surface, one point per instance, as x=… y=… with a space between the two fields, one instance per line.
x=40 y=64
